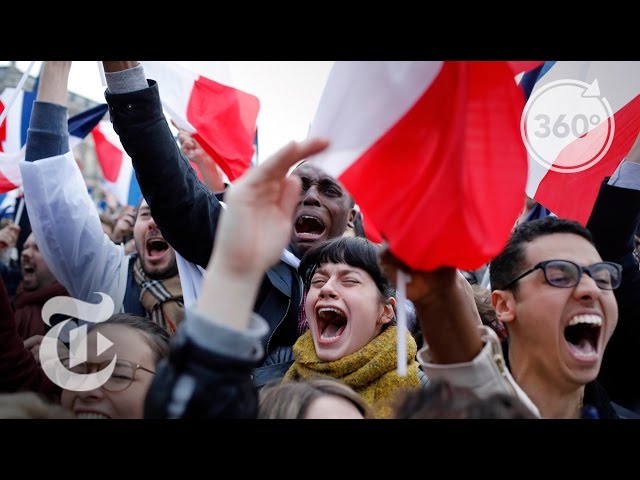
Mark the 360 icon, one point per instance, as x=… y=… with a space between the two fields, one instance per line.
x=567 y=125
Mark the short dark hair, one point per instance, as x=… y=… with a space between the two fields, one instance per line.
x=358 y=225
x=355 y=251
x=510 y=262
x=157 y=337
x=482 y=297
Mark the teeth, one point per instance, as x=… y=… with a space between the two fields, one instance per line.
x=328 y=338
x=324 y=310
x=589 y=319
x=91 y=416
x=301 y=218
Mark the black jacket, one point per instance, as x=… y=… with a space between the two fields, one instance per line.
x=200 y=384
x=186 y=211
x=613 y=222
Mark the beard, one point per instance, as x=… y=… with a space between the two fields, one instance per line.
x=160 y=272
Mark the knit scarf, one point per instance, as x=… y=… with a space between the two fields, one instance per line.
x=371 y=371
x=162 y=299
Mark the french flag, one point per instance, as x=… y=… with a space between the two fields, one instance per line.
x=221 y=118
x=572 y=195
x=431 y=152
x=13 y=135
x=117 y=169
x=13 y=131
x=79 y=127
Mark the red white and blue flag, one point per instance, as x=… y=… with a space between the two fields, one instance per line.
x=221 y=118
x=431 y=152
x=15 y=134
x=13 y=131
x=572 y=195
x=116 y=165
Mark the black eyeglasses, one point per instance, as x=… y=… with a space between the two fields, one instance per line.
x=566 y=274
x=121 y=378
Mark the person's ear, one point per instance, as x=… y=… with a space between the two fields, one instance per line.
x=504 y=303
x=388 y=312
x=351 y=218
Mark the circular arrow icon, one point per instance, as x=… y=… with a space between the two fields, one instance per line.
x=567 y=125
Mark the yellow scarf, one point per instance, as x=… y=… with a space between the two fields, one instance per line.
x=371 y=371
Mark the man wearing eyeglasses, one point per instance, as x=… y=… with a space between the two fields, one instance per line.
x=555 y=296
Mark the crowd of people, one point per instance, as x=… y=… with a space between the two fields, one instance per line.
x=294 y=311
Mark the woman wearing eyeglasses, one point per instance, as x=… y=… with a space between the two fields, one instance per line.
x=138 y=346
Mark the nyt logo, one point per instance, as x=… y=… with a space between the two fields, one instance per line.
x=60 y=370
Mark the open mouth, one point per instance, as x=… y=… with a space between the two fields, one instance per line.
x=331 y=323
x=309 y=228
x=156 y=248
x=28 y=270
x=582 y=336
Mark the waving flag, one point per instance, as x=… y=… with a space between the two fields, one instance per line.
x=13 y=135
x=13 y=131
x=116 y=165
x=221 y=118
x=10 y=177
x=79 y=126
x=432 y=153
x=572 y=195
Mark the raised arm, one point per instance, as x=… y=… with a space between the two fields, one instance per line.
x=220 y=343
x=182 y=206
x=446 y=310
x=63 y=217
x=458 y=349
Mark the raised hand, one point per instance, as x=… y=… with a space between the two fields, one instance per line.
x=257 y=224
x=446 y=310
x=9 y=236
x=252 y=233
x=210 y=171
x=124 y=225
x=422 y=284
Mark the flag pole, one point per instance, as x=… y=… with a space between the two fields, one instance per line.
x=4 y=113
x=18 y=215
x=102 y=75
x=402 y=278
